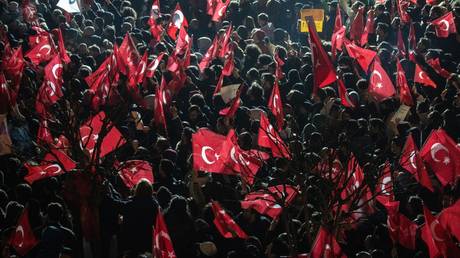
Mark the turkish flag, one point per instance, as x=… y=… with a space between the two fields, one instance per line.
x=154 y=65
x=369 y=28
x=326 y=245
x=138 y=76
x=62 y=51
x=211 y=7
x=276 y=106
x=44 y=136
x=421 y=77
x=225 y=224
x=436 y=65
x=13 y=67
x=384 y=189
x=445 y=25
x=437 y=238
x=380 y=85
x=38 y=172
x=108 y=68
x=401 y=229
x=182 y=42
x=53 y=75
x=441 y=154
x=337 y=40
x=269 y=201
x=89 y=133
x=357 y=26
x=42 y=52
x=400 y=44
x=220 y=11
x=207 y=149
x=177 y=21
x=23 y=239
x=449 y=218
x=60 y=157
x=343 y=94
x=162 y=245
x=411 y=161
x=128 y=56
x=235 y=104
x=269 y=138
x=279 y=65
x=338 y=24
x=209 y=56
x=229 y=64
x=363 y=56
x=323 y=70
x=225 y=44
x=405 y=96
x=40 y=34
x=133 y=171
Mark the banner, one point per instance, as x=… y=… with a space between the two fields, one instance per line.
x=70 y=6
x=318 y=18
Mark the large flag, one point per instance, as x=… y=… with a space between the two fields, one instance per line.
x=269 y=138
x=162 y=244
x=271 y=200
x=323 y=70
x=441 y=154
x=133 y=171
x=445 y=25
x=225 y=224
x=380 y=85
x=411 y=161
x=326 y=245
x=23 y=239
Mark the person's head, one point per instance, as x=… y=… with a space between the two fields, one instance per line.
x=54 y=211
x=262 y=19
x=143 y=189
x=166 y=168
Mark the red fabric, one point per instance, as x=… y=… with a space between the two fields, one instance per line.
x=344 y=98
x=279 y=64
x=412 y=42
x=55 y=163
x=29 y=13
x=363 y=56
x=436 y=65
x=138 y=76
x=401 y=229
x=326 y=245
x=384 y=188
x=357 y=26
x=154 y=65
x=400 y=44
x=225 y=44
x=449 y=218
x=62 y=51
x=405 y=96
x=159 y=112
x=23 y=239
x=207 y=149
x=211 y=7
x=229 y=64
x=411 y=161
x=337 y=40
x=235 y=104
x=276 y=106
x=421 y=77
x=269 y=201
x=13 y=67
x=269 y=138
x=133 y=171
x=219 y=85
x=220 y=11
x=369 y=28
x=42 y=52
x=162 y=245
x=441 y=154
x=61 y=158
x=209 y=56
x=128 y=56
x=177 y=21
x=380 y=85
x=323 y=70
x=402 y=10
x=445 y=25
x=225 y=224
x=44 y=136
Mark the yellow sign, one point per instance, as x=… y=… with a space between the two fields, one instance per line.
x=318 y=18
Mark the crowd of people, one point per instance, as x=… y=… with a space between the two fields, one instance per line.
x=119 y=124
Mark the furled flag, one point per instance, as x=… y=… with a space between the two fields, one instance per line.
x=229 y=64
x=159 y=115
x=211 y=7
x=225 y=224
x=133 y=171
x=270 y=201
x=279 y=66
x=405 y=96
x=400 y=44
x=162 y=244
x=357 y=26
x=445 y=25
x=441 y=155
x=412 y=162
x=23 y=239
x=326 y=245
x=343 y=94
x=177 y=21
x=225 y=43
x=156 y=29
x=13 y=67
x=269 y=138
x=323 y=70
x=369 y=28
x=276 y=106
x=421 y=77
x=380 y=85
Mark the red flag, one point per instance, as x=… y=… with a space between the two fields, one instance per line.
x=449 y=217
x=276 y=106
x=269 y=201
x=221 y=10
x=229 y=64
x=338 y=24
x=385 y=185
x=436 y=65
x=60 y=157
x=40 y=34
x=337 y=41
x=139 y=75
x=440 y=153
x=42 y=52
x=177 y=21
x=159 y=115
x=29 y=13
x=154 y=12
x=38 y=172
x=154 y=65
x=23 y=239
x=380 y=85
x=44 y=136
x=211 y=7
x=437 y=238
x=231 y=110
x=421 y=77
x=225 y=44
x=343 y=94
x=182 y=42
x=269 y=138
x=402 y=10
x=51 y=89
x=412 y=42
x=279 y=65
x=133 y=171
x=445 y=25
x=209 y=56
x=108 y=68
x=363 y=56
x=400 y=44
x=13 y=67
x=369 y=28
x=207 y=149
x=62 y=50
x=219 y=85
x=326 y=245
x=401 y=229
x=128 y=56
x=405 y=96
x=89 y=133
x=324 y=71
x=162 y=244
x=225 y=224
x=411 y=161
x=357 y=26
